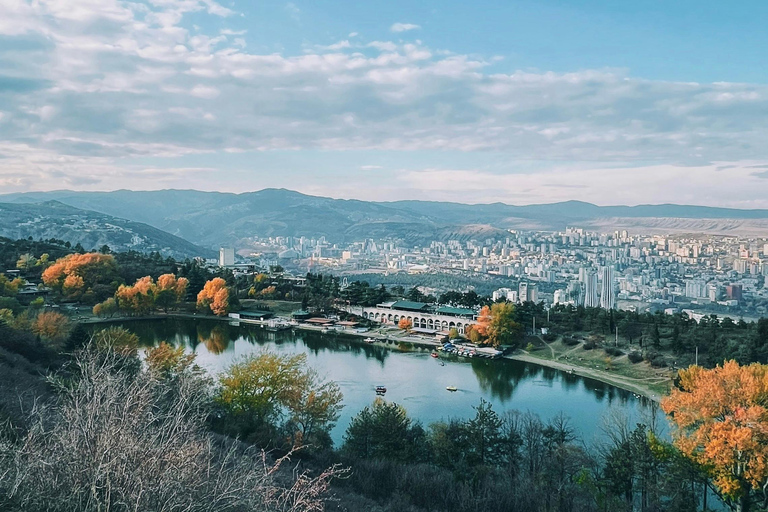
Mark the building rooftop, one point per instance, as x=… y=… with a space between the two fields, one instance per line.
x=407 y=305
x=449 y=310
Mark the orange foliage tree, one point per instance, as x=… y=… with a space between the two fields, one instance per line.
x=170 y=291
x=51 y=326
x=138 y=299
x=721 y=417
x=75 y=275
x=214 y=297
x=483 y=325
x=496 y=326
x=404 y=324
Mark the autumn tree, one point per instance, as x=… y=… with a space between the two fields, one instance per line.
x=10 y=287
x=263 y=391
x=106 y=309
x=214 y=297
x=138 y=299
x=404 y=324
x=496 y=324
x=166 y=361
x=170 y=291
x=76 y=275
x=51 y=326
x=721 y=417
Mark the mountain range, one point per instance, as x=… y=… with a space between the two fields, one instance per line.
x=213 y=219
x=92 y=230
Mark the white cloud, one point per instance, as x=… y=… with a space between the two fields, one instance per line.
x=403 y=27
x=108 y=81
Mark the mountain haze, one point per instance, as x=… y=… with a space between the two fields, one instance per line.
x=212 y=219
x=53 y=219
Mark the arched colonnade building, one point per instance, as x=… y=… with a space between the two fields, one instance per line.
x=421 y=315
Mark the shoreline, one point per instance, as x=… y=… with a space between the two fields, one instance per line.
x=384 y=340
x=614 y=380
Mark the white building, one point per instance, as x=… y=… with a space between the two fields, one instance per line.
x=226 y=256
x=608 y=288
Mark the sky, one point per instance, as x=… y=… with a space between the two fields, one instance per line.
x=514 y=101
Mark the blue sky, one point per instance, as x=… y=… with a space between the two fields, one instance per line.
x=521 y=102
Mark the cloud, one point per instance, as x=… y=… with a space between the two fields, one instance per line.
x=403 y=27
x=89 y=88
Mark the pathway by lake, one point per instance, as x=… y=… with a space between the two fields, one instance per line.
x=413 y=379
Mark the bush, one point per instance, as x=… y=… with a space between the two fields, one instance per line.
x=635 y=357
x=613 y=351
x=571 y=342
x=657 y=360
x=589 y=345
x=549 y=337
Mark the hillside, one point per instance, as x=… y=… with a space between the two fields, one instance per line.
x=92 y=230
x=212 y=219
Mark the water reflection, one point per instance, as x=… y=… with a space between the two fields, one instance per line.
x=412 y=378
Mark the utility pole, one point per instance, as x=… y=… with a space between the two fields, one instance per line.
x=697 y=355
x=534 y=326
x=616 y=328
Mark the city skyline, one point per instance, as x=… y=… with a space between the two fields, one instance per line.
x=517 y=102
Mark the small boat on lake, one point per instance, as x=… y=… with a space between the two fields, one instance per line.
x=452 y=388
x=369 y=340
x=434 y=354
x=380 y=390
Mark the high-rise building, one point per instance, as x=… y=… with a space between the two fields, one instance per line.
x=523 y=292
x=591 y=299
x=226 y=256
x=608 y=289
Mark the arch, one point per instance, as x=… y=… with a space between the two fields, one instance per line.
x=423 y=323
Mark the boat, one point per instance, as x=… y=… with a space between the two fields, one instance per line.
x=380 y=390
x=452 y=388
x=434 y=354
x=369 y=340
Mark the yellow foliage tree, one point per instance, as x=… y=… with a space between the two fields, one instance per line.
x=404 y=324
x=214 y=297
x=496 y=324
x=721 y=417
x=165 y=361
x=10 y=287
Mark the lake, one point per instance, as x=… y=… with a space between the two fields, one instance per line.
x=413 y=379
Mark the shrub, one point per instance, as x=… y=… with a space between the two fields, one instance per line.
x=549 y=337
x=613 y=351
x=589 y=345
x=570 y=341
x=635 y=357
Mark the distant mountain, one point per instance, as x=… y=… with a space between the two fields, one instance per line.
x=212 y=219
x=92 y=230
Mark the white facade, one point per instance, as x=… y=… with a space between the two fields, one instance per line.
x=226 y=256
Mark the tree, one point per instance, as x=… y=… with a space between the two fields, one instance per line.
x=138 y=299
x=260 y=391
x=404 y=324
x=214 y=297
x=497 y=325
x=106 y=309
x=722 y=423
x=165 y=361
x=51 y=326
x=75 y=275
x=484 y=439
x=383 y=430
x=170 y=291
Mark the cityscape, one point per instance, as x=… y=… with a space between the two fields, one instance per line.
x=700 y=275
x=337 y=256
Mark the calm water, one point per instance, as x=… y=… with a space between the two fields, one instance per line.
x=413 y=379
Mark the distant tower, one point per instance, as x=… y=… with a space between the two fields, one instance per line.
x=226 y=256
x=590 y=289
x=608 y=291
